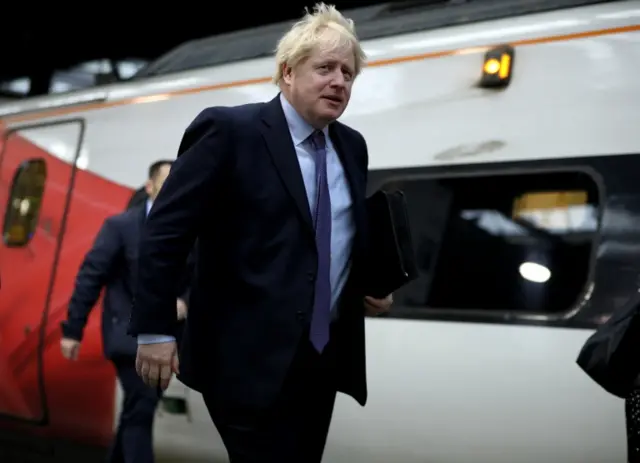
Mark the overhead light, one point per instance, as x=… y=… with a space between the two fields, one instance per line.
x=534 y=272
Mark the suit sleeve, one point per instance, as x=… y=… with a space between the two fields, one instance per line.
x=176 y=218
x=95 y=270
x=187 y=277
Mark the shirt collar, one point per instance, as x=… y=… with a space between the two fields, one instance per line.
x=299 y=128
x=149 y=203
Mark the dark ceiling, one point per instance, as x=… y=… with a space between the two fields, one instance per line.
x=60 y=40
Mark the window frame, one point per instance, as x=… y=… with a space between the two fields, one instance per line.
x=496 y=169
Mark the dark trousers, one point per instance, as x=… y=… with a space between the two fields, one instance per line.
x=294 y=428
x=632 y=416
x=133 y=442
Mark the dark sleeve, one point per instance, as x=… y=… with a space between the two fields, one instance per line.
x=95 y=270
x=187 y=276
x=175 y=220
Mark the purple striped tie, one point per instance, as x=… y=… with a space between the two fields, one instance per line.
x=321 y=317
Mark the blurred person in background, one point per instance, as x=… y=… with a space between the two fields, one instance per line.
x=111 y=265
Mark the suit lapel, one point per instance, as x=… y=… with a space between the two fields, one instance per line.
x=142 y=216
x=280 y=145
x=276 y=134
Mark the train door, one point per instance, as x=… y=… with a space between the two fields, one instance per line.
x=37 y=167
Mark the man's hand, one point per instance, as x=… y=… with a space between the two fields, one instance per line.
x=181 y=306
x=156 y=363
x=374 y=307
x=70 y=348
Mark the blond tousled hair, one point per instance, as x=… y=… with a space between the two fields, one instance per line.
x=311 y=32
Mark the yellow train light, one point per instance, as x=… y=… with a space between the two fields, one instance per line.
x=497 y=67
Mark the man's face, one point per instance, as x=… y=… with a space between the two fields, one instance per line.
x=320 y=86
x=153 y=185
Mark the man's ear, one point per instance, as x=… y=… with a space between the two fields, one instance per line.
x=287 y=74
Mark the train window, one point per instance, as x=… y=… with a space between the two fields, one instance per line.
x=23 y=207
x=501 y=243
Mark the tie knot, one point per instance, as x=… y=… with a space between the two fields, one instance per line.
x=318 y=140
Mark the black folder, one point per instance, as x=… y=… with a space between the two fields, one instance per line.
x=391 y=257
x=610 y=355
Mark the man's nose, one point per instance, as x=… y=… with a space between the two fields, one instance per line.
x=338 y=79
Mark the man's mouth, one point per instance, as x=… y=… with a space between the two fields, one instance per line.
x=335 y=99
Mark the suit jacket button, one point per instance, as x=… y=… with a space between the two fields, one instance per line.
x=311 y=276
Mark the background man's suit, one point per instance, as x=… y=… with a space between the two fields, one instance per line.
x=111 y=265
x=237 y=186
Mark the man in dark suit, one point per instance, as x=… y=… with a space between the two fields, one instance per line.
x=140 y=196
x=111 y=264
x=275 y=194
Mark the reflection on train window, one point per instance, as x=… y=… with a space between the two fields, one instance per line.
x=504 y=243
x=23 y=208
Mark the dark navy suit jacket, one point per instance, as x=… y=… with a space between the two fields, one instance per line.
x=111 y=265
x=237 y=187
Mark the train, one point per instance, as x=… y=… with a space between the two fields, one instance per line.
x=512 y=128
